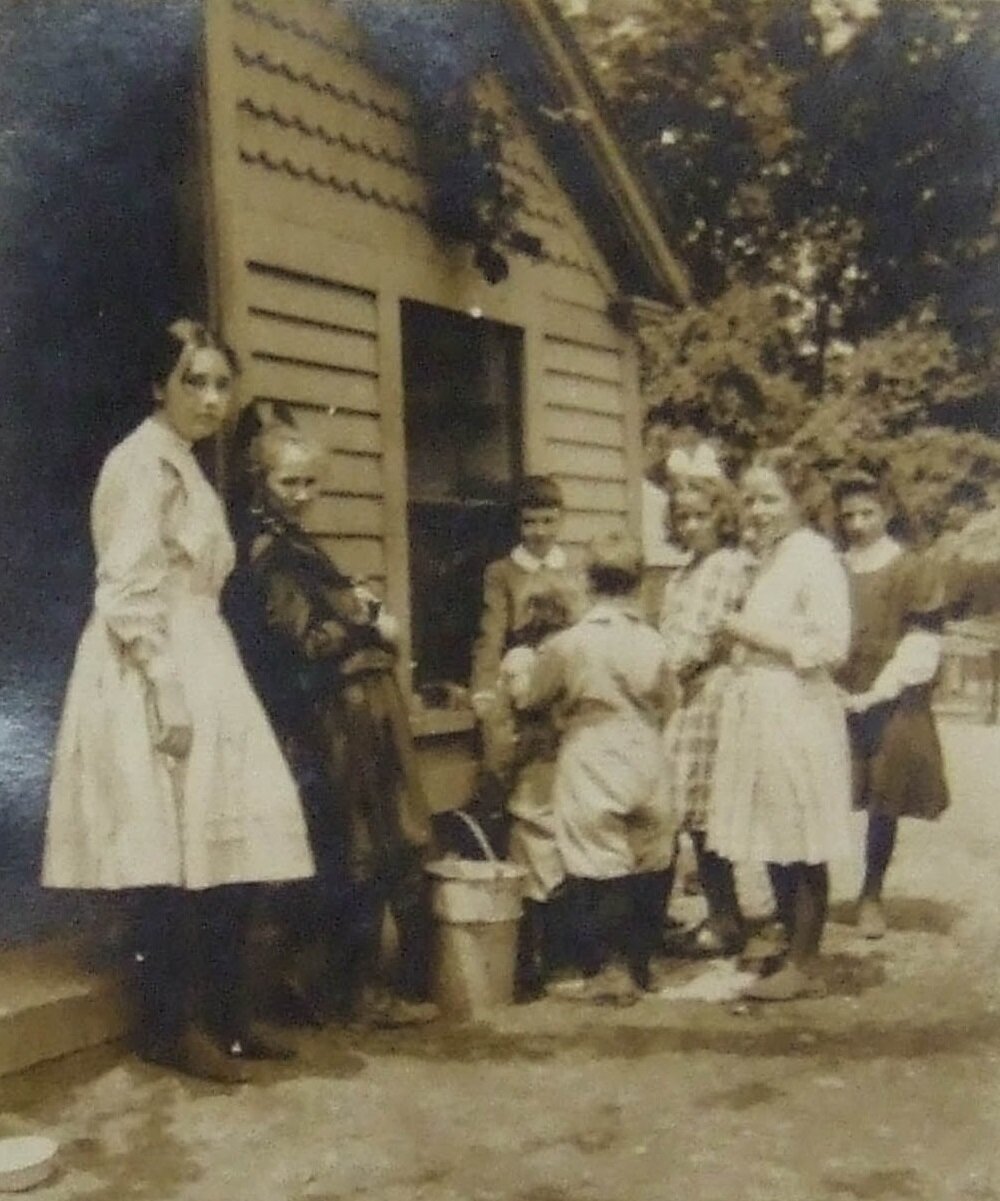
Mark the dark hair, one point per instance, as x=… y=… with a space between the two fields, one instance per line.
x=614 y=565
x=171 y=342
x=721 y=497
x=539 y=492
x=871 y=477
x=547 y=611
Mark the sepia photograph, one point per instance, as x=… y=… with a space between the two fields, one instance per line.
x=500 y=591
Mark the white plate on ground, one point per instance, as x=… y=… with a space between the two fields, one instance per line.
x=26 y=1161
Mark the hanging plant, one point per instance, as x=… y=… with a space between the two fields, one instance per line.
x=471 y=198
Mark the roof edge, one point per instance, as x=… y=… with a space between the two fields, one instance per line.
x=574 y=77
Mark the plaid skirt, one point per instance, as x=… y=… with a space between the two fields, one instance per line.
x=690 y=741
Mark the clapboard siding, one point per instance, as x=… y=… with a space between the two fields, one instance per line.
x=580 y=324
x=321 y=387
x=279 y=337
x=298 y=294
x=563 y=422
x=586 y=462
x=597 y=496
x=581 y=360
x=353 y=516
x=311 y=345
x=579 y=528
x=584 y=425
x=582 y=395
x=356 y=556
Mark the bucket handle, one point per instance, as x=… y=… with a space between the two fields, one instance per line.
x=477 y=833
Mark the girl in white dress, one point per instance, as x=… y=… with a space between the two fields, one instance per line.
x=782 y=784
x=168 y=785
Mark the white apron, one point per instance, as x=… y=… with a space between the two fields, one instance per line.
x=121 y=814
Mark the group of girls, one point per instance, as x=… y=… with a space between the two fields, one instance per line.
x=181 y=787
x=790 y=673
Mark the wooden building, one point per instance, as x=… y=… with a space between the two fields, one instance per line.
x=432 y=388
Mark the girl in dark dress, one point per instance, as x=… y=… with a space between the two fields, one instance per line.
x=327 y=659
x=897 y=606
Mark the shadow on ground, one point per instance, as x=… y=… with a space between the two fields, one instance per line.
x=754 y=1034
x=918 y=915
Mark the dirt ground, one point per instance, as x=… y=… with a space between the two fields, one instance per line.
x=885 y=1090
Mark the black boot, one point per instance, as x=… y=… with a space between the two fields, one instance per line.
x=529 y=984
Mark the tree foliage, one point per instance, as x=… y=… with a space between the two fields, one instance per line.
x=831 y=171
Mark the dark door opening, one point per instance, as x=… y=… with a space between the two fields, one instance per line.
x=462 y=410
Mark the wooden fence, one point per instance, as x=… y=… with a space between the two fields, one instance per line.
x=969 y=680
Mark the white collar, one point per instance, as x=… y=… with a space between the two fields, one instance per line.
x=863 y=560
x=169 y=440
x=603 y=611
x=555 y=560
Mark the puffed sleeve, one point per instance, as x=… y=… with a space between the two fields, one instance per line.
x=127 y=517
x=494 y=627
x=820 y=631
x=693 y=617
x=917 y=656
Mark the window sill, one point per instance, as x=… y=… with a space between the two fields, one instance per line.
x=430 y=723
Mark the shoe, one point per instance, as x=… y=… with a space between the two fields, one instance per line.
x=257 y=1043
x=393 y=1013
x=530 y=989
x=768 y=943
x=195 y=1054
x=292 y=1004
x=871 y=921
x=787 y=984
x=611 y=986
x=567 y=988
x=709 y=941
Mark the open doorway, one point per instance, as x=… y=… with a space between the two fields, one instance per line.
x=462 y=412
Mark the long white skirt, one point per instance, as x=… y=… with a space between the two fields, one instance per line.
x=781 y=791
x=120 y=815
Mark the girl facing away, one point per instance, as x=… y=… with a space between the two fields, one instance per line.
x=897 y=599
x=533 y=746
x=609 y=675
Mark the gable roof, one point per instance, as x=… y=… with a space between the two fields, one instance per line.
x=626 y=192
x=431 y=46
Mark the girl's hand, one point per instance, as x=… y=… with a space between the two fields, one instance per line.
x=174 y=732
x=858 y=702
x=388 y=627
x=483 y=703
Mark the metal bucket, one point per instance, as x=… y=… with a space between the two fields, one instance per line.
x=477 y=907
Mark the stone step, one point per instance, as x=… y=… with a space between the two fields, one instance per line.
x=51 y=1004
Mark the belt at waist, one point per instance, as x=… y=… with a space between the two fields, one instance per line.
x=594 y=713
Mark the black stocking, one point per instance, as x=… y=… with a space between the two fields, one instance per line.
x=718 y=883
x=160 y=966
x=783 y=886
x=219 y=923
x=643 y=931
x=811 y=901
x=879 y=846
